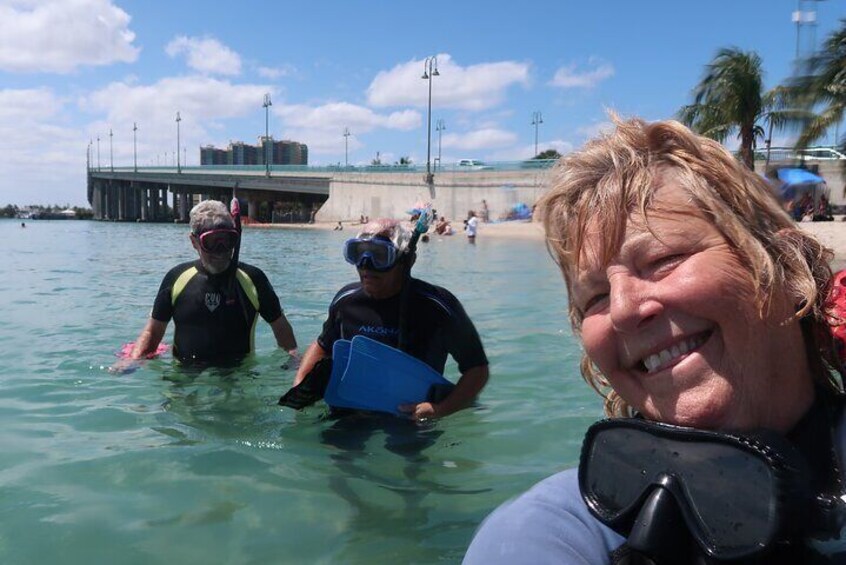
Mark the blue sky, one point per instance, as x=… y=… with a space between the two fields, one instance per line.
x=71 y=70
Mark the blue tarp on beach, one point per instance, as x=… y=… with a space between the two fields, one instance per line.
x=520 y=212
x=798 y=176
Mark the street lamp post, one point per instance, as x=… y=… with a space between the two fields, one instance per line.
x=537 y=120
x=439 y=127
x=769 y=143
x=135 y=146
x=88 y=155
x=346 y=147
x=111 y=152
x=430 y=70
x=98 y=153
x=178 y=162
x=268 y=149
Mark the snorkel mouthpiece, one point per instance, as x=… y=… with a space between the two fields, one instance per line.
x=658 y=531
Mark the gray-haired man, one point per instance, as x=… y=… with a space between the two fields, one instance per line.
x=213 y=302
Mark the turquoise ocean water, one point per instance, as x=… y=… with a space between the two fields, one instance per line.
x=166 y=465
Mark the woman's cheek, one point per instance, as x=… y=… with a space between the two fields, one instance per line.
x=597 y=337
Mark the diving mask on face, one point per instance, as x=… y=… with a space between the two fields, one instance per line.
x=371 y=253
x=737 y=495
x=218 y=241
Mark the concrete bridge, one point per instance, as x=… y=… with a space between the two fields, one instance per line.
x=325 y=194
x=297 y=194
x=142 y=195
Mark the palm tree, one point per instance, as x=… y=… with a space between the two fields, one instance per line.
x=824 y=87
x=730 y=97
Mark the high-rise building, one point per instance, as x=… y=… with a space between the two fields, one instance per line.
x=211 y=155
x=239 y=153
x=284 y=152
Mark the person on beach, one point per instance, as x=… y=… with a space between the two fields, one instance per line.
x=471 y=225
x=704 y=316
x=390 y=306
x=213 y=302
x=443 y=227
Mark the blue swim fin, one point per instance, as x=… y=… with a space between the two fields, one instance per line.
x=380 y=378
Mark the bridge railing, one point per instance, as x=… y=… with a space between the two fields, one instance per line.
x=261 y=170
x=815 y=153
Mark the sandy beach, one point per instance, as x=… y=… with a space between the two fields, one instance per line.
x=832 y=234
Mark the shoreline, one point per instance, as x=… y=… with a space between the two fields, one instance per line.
x=831 y=234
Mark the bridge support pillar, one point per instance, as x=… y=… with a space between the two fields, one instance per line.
x=252 y=209
x=183 y=207
x=106 y=200
x=95 y=199
x=121 y=202
x=144 y=193
x=163 y=205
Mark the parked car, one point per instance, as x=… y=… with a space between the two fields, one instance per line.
x=472 y=165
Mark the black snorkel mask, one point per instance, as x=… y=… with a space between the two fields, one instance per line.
x=735 y=496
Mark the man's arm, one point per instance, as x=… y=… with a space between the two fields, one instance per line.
x=149 y=339
x=284 y=334
x=465 y=392
x=313 y=354
x=147 y=342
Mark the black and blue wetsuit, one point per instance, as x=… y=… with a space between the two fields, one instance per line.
x=214 y=319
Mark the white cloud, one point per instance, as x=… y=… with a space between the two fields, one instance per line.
x=486 y=138
x=204 y=104
x=274 y=73
x=597 y=129
x=39 y=149
x=338 y=115
x=475 y=87
x=58 y=36
x=321 y=127
x=199 y=97
x=572 y=77
x=206 y=55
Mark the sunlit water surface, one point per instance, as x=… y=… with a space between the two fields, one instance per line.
x=165 y=465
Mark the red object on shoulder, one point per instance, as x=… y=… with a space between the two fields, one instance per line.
x=837 y=300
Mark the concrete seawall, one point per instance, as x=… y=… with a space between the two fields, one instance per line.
x=392 y=195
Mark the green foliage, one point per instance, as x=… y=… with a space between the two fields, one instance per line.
x=730 y=97
x=50 y=210
x=548 y=154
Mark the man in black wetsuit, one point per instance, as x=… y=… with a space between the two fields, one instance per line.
x=391 y=307
x=213 y=304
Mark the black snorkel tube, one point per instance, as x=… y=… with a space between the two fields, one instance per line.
x=421 y=227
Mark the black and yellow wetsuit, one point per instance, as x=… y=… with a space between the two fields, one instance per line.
x=214 y=319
